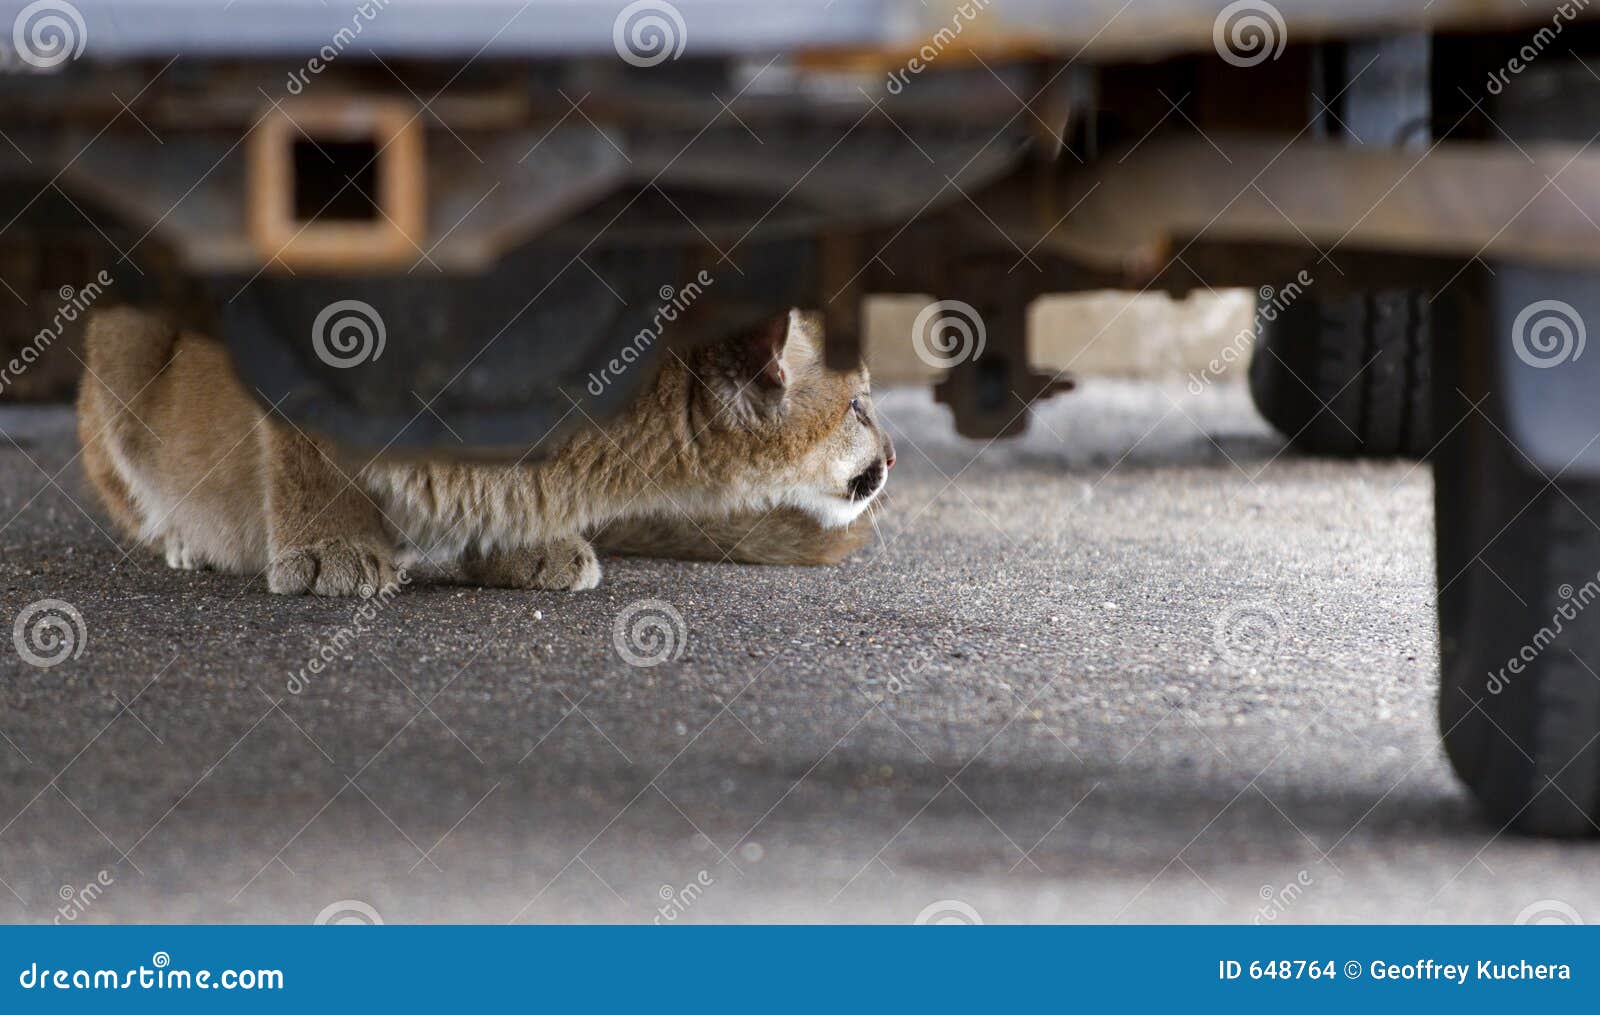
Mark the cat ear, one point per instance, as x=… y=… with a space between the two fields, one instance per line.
x=763 y=351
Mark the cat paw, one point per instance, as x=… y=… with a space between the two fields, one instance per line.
x=180 y=557
x=562 y=565
x=332 y=567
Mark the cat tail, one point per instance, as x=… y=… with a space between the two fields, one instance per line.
x=124 y=350
x=783 y=536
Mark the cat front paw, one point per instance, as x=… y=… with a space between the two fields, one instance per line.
x=331 y=567
x=561 y=565
x=180 y=557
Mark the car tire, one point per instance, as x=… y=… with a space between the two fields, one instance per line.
x=1519 y=610
x=1348 y=376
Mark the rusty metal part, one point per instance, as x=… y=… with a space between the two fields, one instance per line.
x=840 y=273
x=989 y=386
x=391 y=237
x=1133 y=214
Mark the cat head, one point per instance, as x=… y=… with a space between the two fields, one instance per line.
x=786 y=429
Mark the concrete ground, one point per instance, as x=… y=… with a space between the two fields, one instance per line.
x=1139 y=666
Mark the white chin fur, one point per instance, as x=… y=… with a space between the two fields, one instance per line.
x=833 y=512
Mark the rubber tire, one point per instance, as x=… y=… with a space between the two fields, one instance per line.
x=1308 y=381
x=1513 y=549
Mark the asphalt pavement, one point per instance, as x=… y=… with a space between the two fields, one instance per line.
x=1140 y=665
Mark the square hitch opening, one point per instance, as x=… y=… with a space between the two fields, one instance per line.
x=337 y=184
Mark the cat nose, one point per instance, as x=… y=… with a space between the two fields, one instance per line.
x=888 y=453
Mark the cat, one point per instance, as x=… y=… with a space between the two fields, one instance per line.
x=750 y=450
